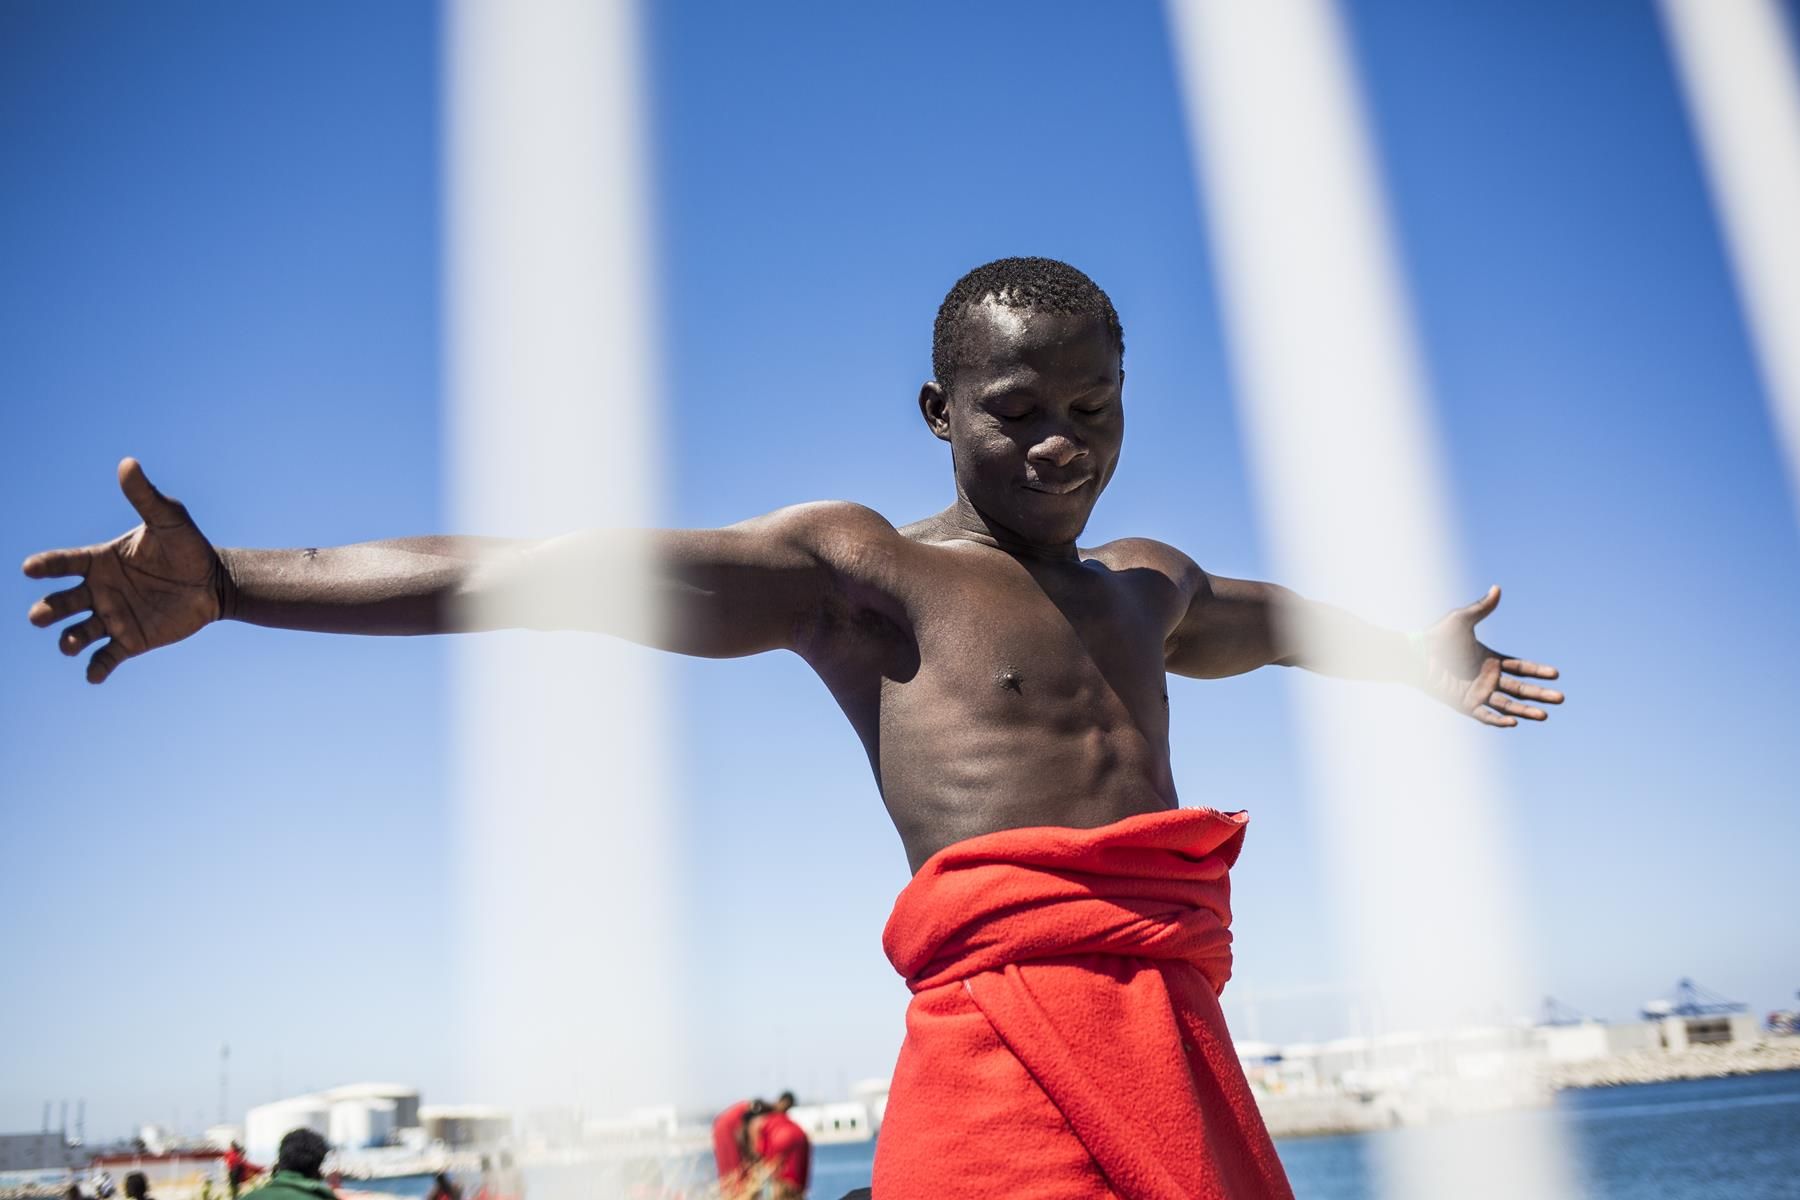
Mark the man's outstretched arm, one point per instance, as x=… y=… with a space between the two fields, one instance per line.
x=747 y=588
x=1236 y=625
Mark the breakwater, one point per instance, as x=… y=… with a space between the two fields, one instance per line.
x=1420 y=1096
x=1781 y=1053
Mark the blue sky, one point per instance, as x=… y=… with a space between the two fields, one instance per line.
x=220 y=233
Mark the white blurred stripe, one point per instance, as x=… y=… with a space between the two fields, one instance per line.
x=1346 y=462
x=561 y=768
x=1739 y=78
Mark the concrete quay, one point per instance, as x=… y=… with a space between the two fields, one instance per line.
x=1778 y=1053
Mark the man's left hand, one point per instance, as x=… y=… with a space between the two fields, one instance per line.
x=1480 y=682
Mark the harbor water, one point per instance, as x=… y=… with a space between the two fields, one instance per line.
x=1701 y=1139
x=1733 y=1138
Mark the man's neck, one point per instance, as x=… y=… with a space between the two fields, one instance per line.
x=962 y=521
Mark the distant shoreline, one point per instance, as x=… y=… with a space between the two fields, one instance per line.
x=1696 y=1062
x=1334 y=1113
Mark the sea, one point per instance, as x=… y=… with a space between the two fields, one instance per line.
x=1705 y=1139
x=1702 y=1139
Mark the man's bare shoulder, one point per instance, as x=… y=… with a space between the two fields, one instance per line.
x=838 y=533
x=1146 y=553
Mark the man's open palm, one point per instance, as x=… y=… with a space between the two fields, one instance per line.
x=146 y=588
x=1480 y=682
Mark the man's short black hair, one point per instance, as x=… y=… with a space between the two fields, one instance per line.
x=302 y=1153
x=137 y=1185
x=1044 y=284
x=786 y=1098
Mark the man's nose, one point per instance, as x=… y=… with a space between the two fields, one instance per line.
x=1057 y=450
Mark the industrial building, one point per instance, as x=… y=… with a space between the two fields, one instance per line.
x=46 y=1151
x=357 y=1116
x=465 y=1126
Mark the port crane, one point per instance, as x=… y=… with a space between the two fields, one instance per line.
x=1692 y=1000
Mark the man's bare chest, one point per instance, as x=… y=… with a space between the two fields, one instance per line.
x=1013 y=640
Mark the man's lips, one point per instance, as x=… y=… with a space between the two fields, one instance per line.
x=1058 y=487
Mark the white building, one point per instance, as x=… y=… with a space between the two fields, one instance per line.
x=405 y=1099
x=356 y=1116
x=1671 y=1034
x=361 y=1124
x=459 y=1126
x=266 y=1124
x=840 y=1121
x=874 y=1096
x=1589 y=1040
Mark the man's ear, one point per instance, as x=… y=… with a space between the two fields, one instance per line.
x=934 y=406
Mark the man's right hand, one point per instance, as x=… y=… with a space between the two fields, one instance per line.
x=146 y=588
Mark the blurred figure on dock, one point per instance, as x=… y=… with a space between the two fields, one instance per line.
x=137 y=1186
x=443 y=1188
x=784 y=1146
x=499 y=1180
x=238 y=1168
x=733 y=1143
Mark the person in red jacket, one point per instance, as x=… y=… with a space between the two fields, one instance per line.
x=785 y=1147
x=733 y=1147
x=238 y=1169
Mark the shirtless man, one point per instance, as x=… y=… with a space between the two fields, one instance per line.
x=1000 y=677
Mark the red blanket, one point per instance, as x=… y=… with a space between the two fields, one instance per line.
x=1064 y=1037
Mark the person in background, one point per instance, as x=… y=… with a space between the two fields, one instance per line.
x=299 y=1169
x=785 y=1147
x=444 y=1188
x=733 y=1144
x=238 y=1168
x=137 y=1186
x=499 y=1181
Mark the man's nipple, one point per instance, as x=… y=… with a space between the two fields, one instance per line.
x=1010 y=680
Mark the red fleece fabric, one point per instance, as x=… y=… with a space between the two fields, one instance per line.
x=1064 y=1037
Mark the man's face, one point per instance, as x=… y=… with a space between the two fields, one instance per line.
x=1034 y=419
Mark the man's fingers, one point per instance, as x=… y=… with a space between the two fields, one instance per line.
x=1489 y=717
x=155 y=508
x=105 y=661
x=1512 y=708
x=48 y=564
x=1518 y=666
x=81 y=635
x=1482 y=607
x=1530 y=691
x=57 y=605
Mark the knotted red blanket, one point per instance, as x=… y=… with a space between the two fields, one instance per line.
x=1064 y=1037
